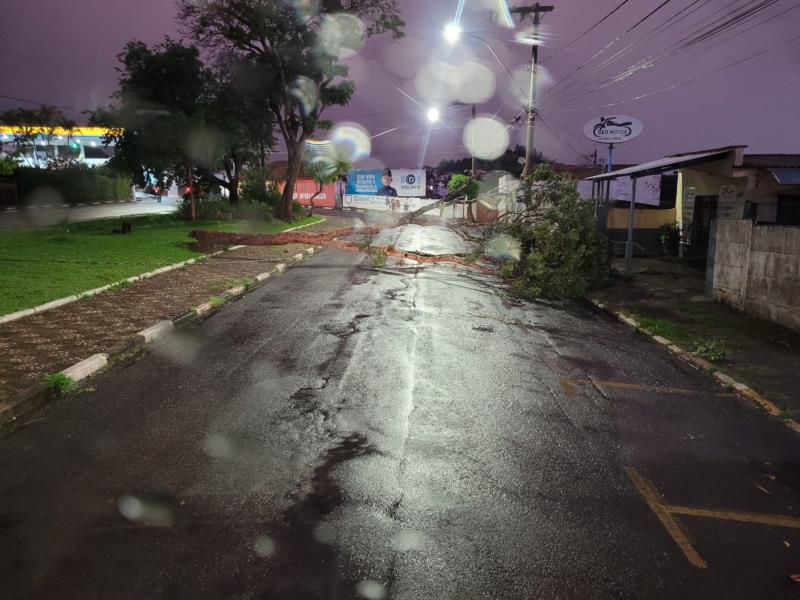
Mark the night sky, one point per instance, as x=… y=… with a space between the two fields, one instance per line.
x=64 y=53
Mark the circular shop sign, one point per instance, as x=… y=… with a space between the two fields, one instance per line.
x=613 y=129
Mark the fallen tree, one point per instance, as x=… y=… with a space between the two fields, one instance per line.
x=328 y=239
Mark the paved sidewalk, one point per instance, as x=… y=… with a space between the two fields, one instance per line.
x=666 y=296
x=48 y=342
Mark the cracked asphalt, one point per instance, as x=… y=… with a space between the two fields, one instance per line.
x=406 y=432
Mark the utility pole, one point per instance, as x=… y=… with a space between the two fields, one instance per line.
x=474 y=160
x=537 y=10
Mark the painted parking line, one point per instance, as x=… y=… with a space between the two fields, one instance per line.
x=664 y=512
x=569 y=386
x=650 y=496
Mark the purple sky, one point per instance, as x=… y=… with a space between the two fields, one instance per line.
x=64 y=53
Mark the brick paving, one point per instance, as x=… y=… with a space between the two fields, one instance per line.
x=48 y=342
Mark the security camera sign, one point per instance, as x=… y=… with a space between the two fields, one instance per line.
x=613 y=129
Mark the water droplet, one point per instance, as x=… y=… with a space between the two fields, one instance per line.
x=371 y=589
x=218 y=446
x=342 y=35
x=486 y=138
x=305 y=91
x=264 y=546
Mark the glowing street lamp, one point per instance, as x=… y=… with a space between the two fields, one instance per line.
x=433 y=114
x=452 y=33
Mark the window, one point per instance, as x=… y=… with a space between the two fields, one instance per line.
x=788 y=209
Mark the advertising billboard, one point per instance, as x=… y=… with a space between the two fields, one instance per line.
x=407 y=183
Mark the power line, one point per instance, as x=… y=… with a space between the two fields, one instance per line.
x=614 y=41
x=563 y=141
x=588 y=31
x=647 y=36
x=650 y=62
x=27 y=101
x=688 y=81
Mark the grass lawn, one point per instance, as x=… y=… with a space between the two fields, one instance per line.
x=45 y=263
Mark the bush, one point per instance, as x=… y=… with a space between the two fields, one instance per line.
x=253 y=212
x=211 y=208
x=564 y=256
x=72 y=185
x=297 y=208
x=254 y=187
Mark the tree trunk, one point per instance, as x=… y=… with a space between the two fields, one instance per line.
x=317 y=193
x=294 y=162
x=233 y=190
x=190 y=184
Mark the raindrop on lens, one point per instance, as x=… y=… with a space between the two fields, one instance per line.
x=486 y=138
x=371 y=589
x=264 y=546
x=218 y=446
x=305 y=91
x=342 y=35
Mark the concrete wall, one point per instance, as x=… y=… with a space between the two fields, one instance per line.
x=757 y=269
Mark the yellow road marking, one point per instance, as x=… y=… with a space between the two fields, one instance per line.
x=671 y=525
x=569 y=387
x=731 y=515
x=571 y=391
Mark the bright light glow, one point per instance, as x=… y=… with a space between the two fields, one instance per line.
x=452 y=33
x=433 y=114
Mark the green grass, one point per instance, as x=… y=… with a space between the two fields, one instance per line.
x=665 y=328
x=46 y=263
x=59 y=383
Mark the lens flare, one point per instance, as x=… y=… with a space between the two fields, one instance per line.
x=351 y=141
x=486 y=138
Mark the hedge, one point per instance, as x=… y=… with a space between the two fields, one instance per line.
x=73 y=186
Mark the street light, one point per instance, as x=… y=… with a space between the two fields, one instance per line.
x=452 y=33
x=433 y=114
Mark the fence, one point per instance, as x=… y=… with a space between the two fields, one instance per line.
x=401 y=205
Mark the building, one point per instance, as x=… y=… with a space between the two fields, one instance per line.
x=35 y=146
x=738 y=212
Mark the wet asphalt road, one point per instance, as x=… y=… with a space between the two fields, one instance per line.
x=347 y=432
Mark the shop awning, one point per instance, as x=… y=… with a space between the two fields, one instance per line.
x=786 y=175
x=664 y=165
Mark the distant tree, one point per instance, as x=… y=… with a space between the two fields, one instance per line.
x=288 y=48
x=509 y=162
x=543 y=172
x=463 y=186
x=157 y=112
x=36 y=125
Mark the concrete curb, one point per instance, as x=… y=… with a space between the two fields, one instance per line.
x=69 y=299
x=86 y=368
x=38 y=397
x=743 y=391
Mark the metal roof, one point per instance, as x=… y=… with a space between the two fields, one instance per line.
x=771 y=160
x=663 y=165
x=786 y=175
